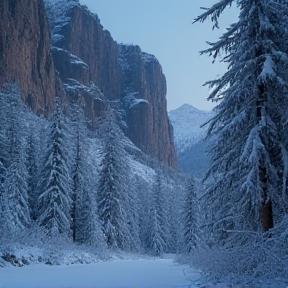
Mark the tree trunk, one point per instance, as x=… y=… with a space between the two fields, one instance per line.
x=266 y=212
x=266 y=215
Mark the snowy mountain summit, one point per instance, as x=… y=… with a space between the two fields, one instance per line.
x=189 y=133
x=187 y=121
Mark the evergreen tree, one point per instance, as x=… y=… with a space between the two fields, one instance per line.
x=132 y=214
x=78 y=175
x=142 y=188
x=157 y=229
x=86 y=226
x=15 y=214
x=89 y=227
x=32 y=165
x=54 y=203
x=190 y=217
x=248 y=158
x=112 y=192
x=3 y=146
x=3 y=161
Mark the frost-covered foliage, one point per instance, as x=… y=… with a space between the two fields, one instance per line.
x=157 y=234
x=250 y=258
x=14 y=211
x=247 y=179
x=54 y=202
x=86 y=226
x=58 y=186
x=190 y=218
x=112 y=190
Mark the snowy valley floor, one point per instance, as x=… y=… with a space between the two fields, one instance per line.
x=118 y=273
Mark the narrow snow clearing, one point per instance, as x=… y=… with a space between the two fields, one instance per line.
x=156 y=273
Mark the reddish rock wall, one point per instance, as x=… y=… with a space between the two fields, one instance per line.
x=84 y=37
x=91 y=67
x=148 y=122
x=25 y=56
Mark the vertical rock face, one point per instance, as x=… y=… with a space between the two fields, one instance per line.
x=85 y=57
x=91 y=67
x=145 y=103
x=25 y=56
x=84 y=37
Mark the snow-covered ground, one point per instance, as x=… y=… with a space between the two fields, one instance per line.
x=118 y=273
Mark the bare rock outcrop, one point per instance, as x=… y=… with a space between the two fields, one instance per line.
x=82 y=63
x=145 y=104
x=85 y=52
x=25 y=56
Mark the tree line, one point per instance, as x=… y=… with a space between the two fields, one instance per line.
x=62 y=181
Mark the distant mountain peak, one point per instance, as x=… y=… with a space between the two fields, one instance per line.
x=187 y=122
x=190 y=109
x=189 y=133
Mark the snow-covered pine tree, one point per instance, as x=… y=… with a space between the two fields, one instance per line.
x=132 y=215
x=142 y=187
x=79 y=169
x=112 y=192
x=54 y=203
x=3 y=158
x=89 y=226
x=174 y=194
x=3 y=139
x=248 y=158
x=157 y=227
x=32 y=165
x=190 y=218
x=86 y=226
x=15 y=214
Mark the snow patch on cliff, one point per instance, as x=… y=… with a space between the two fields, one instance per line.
x=131 y=100
x=57 y=11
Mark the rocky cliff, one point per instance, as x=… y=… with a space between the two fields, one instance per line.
x=144 y=98
x=25 y=56
x=93 y=69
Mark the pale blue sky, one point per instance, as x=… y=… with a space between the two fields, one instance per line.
x=164 y=28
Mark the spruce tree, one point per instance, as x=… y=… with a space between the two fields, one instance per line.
x=112 y=193
x=32 y=167
x=86 y=226
x=157 y=227
x=190 y=218
x=14 y=207
x=248 y=157
x=89 y=227
x=78 y=175
x=132 y=216
x=54 y=203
